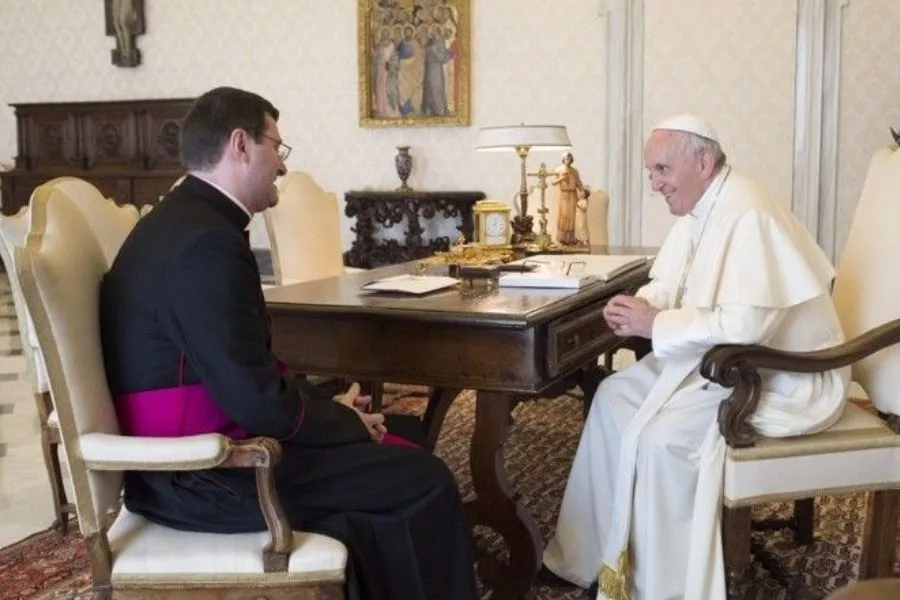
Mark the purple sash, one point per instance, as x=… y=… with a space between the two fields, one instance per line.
x=174 y=412
x=190 y=410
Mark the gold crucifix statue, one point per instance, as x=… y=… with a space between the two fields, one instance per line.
x=125 y=21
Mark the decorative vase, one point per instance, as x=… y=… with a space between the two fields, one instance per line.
x=403 y=161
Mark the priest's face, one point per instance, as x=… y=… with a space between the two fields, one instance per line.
x=675 y=171
x=265 y=166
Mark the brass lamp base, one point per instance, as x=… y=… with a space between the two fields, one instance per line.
x=522 y=226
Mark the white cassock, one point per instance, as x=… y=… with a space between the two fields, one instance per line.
x=641 y=511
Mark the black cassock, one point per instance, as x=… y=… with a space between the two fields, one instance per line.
x=186 y=281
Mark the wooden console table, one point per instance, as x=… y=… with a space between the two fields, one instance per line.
x=128 y=149
x=376 y=210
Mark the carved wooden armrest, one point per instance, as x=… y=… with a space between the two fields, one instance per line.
x=736 y=366
x=111 y=452
x=263 y=454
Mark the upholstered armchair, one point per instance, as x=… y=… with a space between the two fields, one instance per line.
x=861 y=452
x=60 y=269
x=111 y=224
x=304 y=231
x=13 y=229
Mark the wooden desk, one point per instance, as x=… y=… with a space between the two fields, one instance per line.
x=501 y=343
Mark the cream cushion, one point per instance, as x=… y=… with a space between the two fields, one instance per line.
x=144 y=551
x=860 y=451
x=867 y=288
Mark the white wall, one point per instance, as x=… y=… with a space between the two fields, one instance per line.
x=732 y=63
x=870 y=97
x=532 y=61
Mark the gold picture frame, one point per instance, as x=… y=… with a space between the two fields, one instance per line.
x=408 y=76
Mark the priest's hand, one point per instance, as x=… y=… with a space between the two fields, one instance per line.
x=352 y=398
x=374 y=422
x=629 y=316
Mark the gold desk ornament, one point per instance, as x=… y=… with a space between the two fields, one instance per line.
x=473 y=255
x=492 y=223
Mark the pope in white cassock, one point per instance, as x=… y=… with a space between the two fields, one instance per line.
x=640 y=515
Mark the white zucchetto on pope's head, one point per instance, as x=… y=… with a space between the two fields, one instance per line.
x=689 y=124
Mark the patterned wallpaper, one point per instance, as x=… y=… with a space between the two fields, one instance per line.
x=731 y=62
x=870 y=97
x=541 y=62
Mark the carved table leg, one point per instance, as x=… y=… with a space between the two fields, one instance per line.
x=496 y=505
x=439 y=401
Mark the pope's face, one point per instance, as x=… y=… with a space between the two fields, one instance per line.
x=674 y=170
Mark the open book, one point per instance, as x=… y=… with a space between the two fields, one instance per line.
x=410 y=284
x=570 y=270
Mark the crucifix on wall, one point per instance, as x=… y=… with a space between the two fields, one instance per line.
x=125 y=21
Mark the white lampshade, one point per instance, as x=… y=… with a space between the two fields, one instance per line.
x=511 y=137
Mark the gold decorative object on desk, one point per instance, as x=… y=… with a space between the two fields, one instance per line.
x=542 y=239
x=492 y=223
x=473 y=255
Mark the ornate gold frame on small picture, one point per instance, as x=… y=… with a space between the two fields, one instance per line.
x=398 y=48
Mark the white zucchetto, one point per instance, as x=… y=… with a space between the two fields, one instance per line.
x=689 y=124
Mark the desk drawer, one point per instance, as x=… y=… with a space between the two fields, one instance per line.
x=575 y=338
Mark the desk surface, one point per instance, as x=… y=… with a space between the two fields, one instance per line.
x=504 y=307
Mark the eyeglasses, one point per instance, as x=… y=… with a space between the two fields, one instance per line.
x=283 y=149
x=560 y=267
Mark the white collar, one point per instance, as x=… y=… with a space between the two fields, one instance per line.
x=225 y=193
x=708 y=199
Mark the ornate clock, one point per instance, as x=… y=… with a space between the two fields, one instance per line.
x=492 y=227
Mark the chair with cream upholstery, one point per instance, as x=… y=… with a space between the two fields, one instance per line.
x=13 y=229
x=61 y=267
x=304 y=231
x=861 y=452
x=111 y=223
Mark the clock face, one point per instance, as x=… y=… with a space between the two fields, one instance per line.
x=495 y=228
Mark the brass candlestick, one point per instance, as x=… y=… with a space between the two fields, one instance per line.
x=542 y=239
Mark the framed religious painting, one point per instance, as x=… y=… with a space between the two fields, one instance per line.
x=413 y=62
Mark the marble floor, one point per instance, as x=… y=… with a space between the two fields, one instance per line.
x=26 y=505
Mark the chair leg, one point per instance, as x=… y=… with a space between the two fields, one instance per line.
x=880 y=535
x=50 y=448
x=736 y=547
x=804 y=520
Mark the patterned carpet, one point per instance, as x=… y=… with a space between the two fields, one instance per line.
x=539 y=453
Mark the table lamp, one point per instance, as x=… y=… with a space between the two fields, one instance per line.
x=522 y=139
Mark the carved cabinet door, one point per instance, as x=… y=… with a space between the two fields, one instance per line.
x=161 y=133
x=51 y=140
x=110 y=138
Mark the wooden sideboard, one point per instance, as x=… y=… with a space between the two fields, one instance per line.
x=128 y=149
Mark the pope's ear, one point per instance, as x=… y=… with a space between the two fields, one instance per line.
x=707 y=163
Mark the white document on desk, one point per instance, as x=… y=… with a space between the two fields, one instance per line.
x=411 y=284
x=571 y=271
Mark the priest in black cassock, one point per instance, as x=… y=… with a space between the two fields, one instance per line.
x=183 y=316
